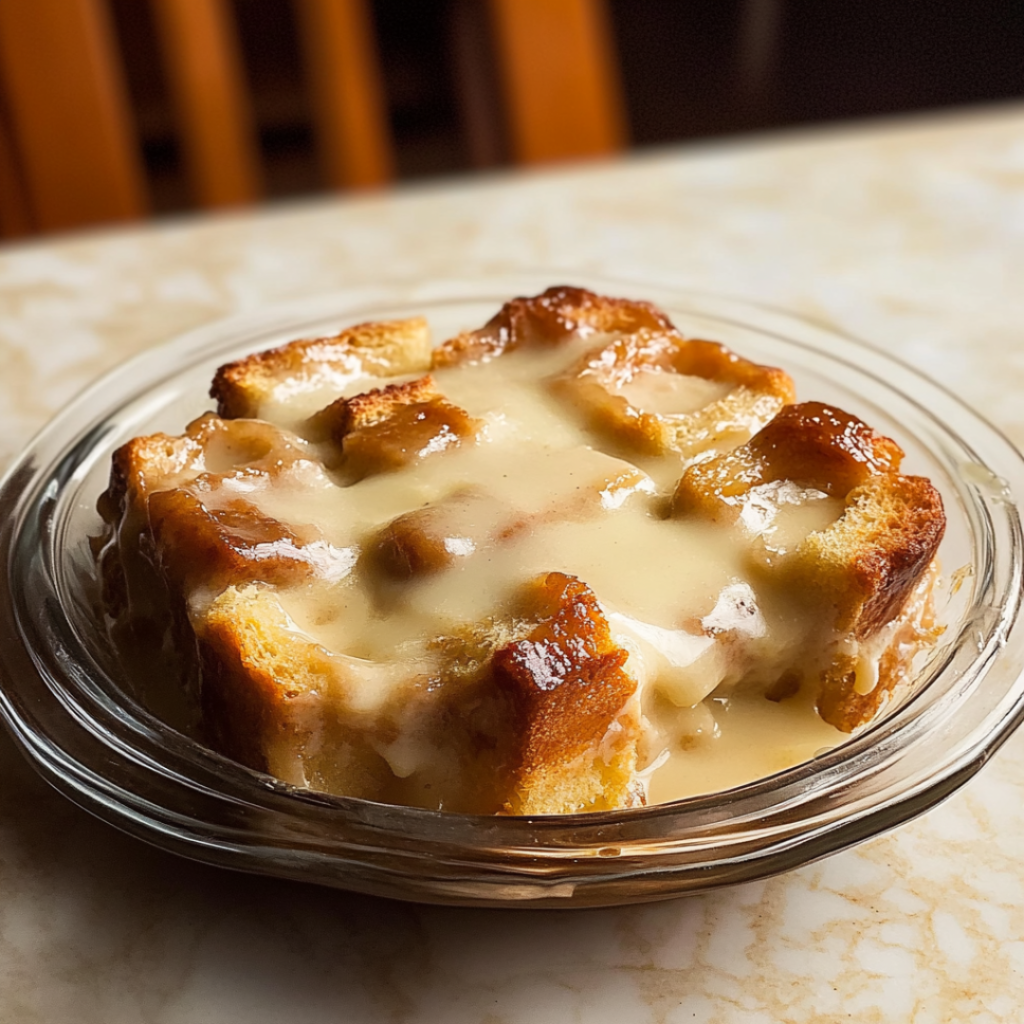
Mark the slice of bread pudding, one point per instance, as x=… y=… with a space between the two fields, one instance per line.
x=524 y=571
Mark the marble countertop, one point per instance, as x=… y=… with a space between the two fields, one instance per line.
x=909 y=234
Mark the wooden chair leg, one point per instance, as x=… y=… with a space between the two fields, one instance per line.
x=69 y=112
x=757 y=59
x=471 y=45
x=560 y=78
x=15 y=213
x=347 y=92
x=207 y=81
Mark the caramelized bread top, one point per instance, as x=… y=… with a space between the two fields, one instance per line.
x=388 y=428
x=863 y=565
x=552 y=318
x=374 y=349
x=564 y=683
x=537 y=559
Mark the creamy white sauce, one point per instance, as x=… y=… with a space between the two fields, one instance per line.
x=670 y=394
x=683 y=596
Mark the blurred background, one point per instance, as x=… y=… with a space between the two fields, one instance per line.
x=118 y=109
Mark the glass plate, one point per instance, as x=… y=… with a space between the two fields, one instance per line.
x=68 y=706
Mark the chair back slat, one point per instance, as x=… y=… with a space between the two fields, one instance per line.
x=207 y=85
x=347 y=92
x=470 y=39
x=70 y=123
x=558 y=71
x=15 y=213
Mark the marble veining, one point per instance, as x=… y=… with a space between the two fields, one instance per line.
x=909 y=234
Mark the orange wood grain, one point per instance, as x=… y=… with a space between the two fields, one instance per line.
x=15 y=215
x=69 y=115
x=207 y=82
x=347 y=92
x=560 y=78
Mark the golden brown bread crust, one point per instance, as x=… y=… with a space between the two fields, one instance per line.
x=123 y=550
x=868 y=562
x=248 y=683
x=269 y=696
x=840 y=703
x=376 y=349
x=548 y=319
x=812 y=444
x=372 y=408
x=564 y=685
x=159 y=516
x=143 y=465
x=418 y=543
x=861 y=570
x=210 y=446
x=756 y=393
x=531 y=725
x=385 y=429
x=199 y=545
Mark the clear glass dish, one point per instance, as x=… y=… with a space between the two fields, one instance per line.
x=66 y=702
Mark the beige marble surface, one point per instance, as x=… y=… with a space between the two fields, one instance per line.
x=909 y=234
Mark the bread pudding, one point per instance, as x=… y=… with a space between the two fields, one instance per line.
x=569 y=561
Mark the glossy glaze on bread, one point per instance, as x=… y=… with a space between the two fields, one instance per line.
x=531 y=571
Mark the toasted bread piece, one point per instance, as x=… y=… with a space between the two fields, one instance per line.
x=566 y=689
x=388 y=428
x=430 y=539
x=143 y=465
x=855 y=688
x=277 y=701
x=379 y=349
x=868 y=562
x=272 y=699
x=548 y=319
x=162 y=512
x=202 y=545
x=548 y=728
x=812 y=444
x=752 y=395
x=860 y=571
x=210 y=445
x=137 y=468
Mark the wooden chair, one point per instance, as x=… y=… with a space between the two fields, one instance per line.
x=69 y=155
x=561 y=90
